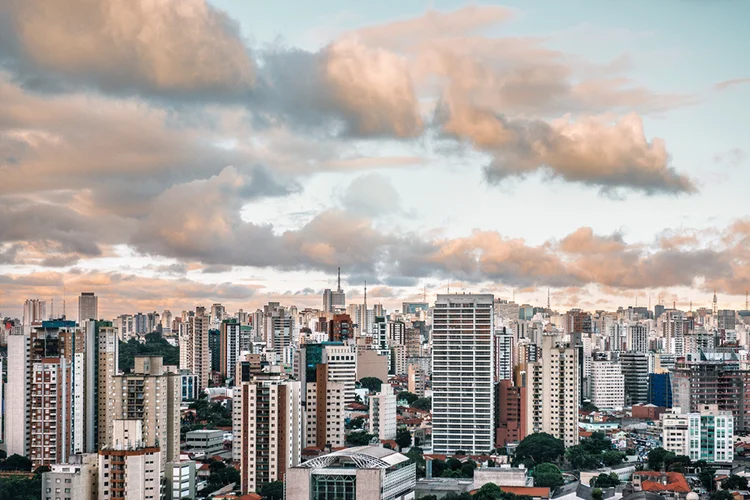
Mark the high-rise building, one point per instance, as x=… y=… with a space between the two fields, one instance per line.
x=231 y=346
x=195 y=354
x=88 y=307
x=151 y=394
x=635 y=370
x=511 y=413
x=416 y=380
x=34 y=311
x=101 y=367
x=342 y=367
x=324 y=411
x=705 y=435
x=462 y=374
x=504 y=350
x=214 y=350
x=334 y=300
x=553 y=391
x=638 y=337
x=266 y=428
x=17 y=396
x=340 y=328
x=382 y=419
x=607 y=385
x=128 y=466
x=660 y=389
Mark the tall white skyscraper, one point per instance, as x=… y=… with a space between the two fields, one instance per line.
x=503 y=355
x=34 y=311
x=462 y=374
x=88 y=307
x=607 y=385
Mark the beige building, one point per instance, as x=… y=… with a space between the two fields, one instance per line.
x=77 y=479
x=266 y=427
x=382 y=419
x=370 y=363
x=151 y=394
x=553 y=392
x=416 y=380
x=324 y=411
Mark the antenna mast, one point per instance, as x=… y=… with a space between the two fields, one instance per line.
x=548 y=307
x=715 y=302
x=338 y=286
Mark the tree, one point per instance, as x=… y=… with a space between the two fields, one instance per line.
x=453 y=463
x=589 y=406
x=605 y=480
x=489 y=491
x=355 y=423
x=656 y=458
x=734 y=482
x=372 y=384
x=422 y=404
x=467 y=469
x=417 y=456
x=359 y=438
x=707 y=479
x=579 y=458
x=721 y=495
x=407 y=396
x=17 y=462
x=597 y=443
x=596 y=494
x=272 y=491
x=612 y=457
x=154 y=345
x=538 y=448
x=403 y=438
x=438 y=466
x=548 y=475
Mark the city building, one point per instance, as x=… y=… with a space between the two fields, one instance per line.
x=207 y=441
x=17 y=397
x=462 y=374
x=180 y=480
x=660 y=389
x=34 y=311
x=416 y=380
x=382 y=419
x=504 y=350
x=706 y=435
x=334 y=300
x=266 y=427
x=553 y=391
x=358 y=473
x=342 y=367
x=511 y=413
x=324 y=411
x=128 y=467
x=88 y=307
x=231 y=347
x=635 y=371
x=77 y=479
x=151 y=395
x=607 y=385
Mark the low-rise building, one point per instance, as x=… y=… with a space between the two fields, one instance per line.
x=205 y=440
x=180 y=478
x=77 y=479
x=361 y=473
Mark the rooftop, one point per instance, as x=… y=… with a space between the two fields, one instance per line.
x=362 y=457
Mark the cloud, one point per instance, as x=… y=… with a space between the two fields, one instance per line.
x=371 y=195
x=183 y=49
x=590 y=151
x=731 y=83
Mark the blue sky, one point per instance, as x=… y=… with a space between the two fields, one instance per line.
x=516 y=147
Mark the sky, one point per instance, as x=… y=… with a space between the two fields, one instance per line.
x=171 y=154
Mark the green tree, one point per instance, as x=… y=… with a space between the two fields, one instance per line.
x=453 y=463
x=707 y=479
x=589 y=406
x=355 y=423
x=17 y=462
x=154 y=345
x=605 y=480
x=596 y=494
x=656 y=458
x=489 y=491
x=407 y=396
x=548 y=475
x=539 y=448
x=422 y=404
x=272 y=491
x=371 y=383
x=721 y=495
x=403 y=437
x=612 y=457
x=359 y=438
x=467 y=468
x=581 y=459
x=597 y=443
x=438 y=466
x=734 y=482
x=417 y=456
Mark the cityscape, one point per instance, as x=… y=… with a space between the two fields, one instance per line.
x=384 y=250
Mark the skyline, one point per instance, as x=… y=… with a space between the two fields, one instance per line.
x=230 y=153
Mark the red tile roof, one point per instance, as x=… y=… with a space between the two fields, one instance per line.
x=675 y=482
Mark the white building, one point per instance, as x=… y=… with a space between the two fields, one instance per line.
x=462 y=374
x=180 y=479
x=362 y=472
x=503 y=356
x=342 y=367
x=17 y=395
x=553 y=391
x=607 y=385
x=383 y=413
x=707 y=435
x=127 y=467
x=77 y=479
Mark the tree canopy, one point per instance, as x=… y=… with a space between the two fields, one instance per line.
x=539 y=448
x=548 y=475
x=734 y=482
x=596 y=494
x=593 y=452
x=422 y=404
x=359 y=438
x=403 y=437
x=372 y=384
x=154 y=345
x=721 y=495
x=407 y=396
x=272 y=491
x=605 y=480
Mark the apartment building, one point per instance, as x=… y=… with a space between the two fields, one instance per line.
x=324 y=411
x=128 y=467
x=382 y=421
x=705 y=435
x=607 y=385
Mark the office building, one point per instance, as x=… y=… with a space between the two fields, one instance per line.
x=726 y=319
x=638 y=337
x=151 y=394
x=342 y=367
x=128 y=467
x=705 y=435
x=324 y=411
x=607 y=385
x=206 y=441
x=361 y=473
x=77 y=479
x=231 y=347
x=88 y=307
x=553 y=391
x=463 y=373
x=635 y=371
x=334 y=300
x=382 y=419
x=266 y=427
x=660 y=389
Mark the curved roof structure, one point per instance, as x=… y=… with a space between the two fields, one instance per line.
x=362 y=457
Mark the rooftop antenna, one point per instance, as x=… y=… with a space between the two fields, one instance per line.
x=715 y=302
x=338 y=289
x=691 y=306
x=64 y=315
x=52 y=307
x=674 y=304
x=424 y=294
x=548 y=308
x=449 y=288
